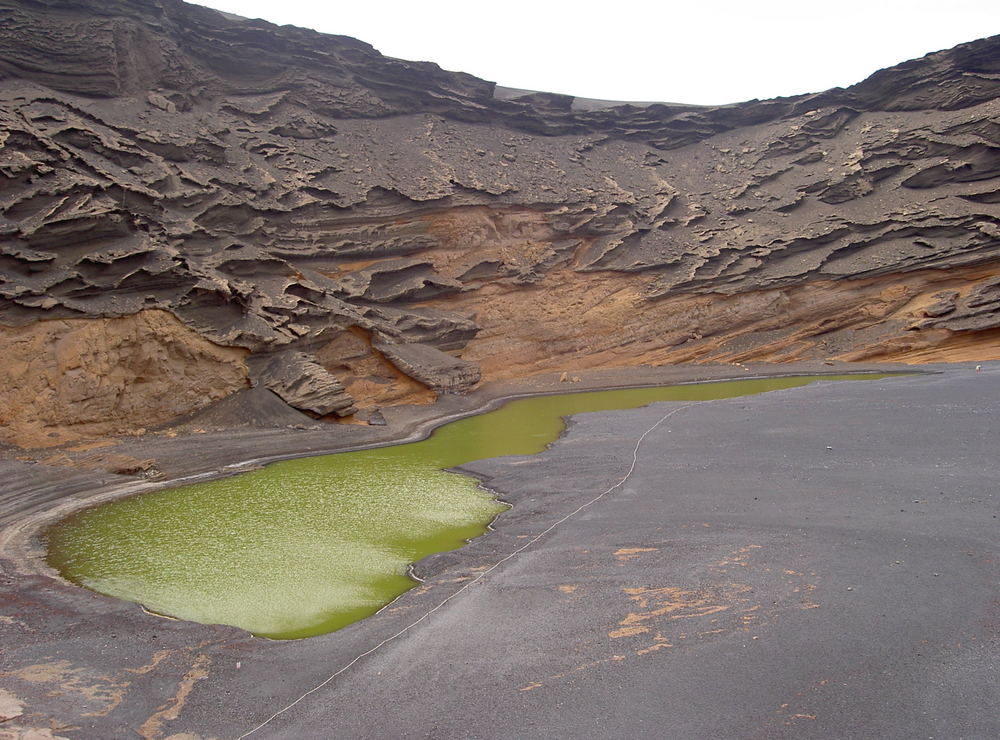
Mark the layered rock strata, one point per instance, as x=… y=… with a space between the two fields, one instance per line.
x=378 y=227
x=437 y=370
x=303 y=383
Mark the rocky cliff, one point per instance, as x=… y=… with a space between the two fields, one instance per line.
x=281 y=208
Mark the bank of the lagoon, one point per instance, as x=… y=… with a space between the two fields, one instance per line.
x=307 y=546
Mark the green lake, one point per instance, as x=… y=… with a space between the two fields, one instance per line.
x=307 y=546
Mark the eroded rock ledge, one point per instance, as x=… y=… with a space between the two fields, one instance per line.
x=393 y=230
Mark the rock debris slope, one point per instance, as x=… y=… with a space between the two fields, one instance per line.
x=281 y=208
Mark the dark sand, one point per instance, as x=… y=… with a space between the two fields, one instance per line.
x=745 y=581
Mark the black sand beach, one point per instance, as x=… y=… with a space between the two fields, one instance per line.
x=815 y=562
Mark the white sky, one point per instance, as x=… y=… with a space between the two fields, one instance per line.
x=686 y=51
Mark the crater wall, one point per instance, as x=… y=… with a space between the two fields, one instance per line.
x=400 y=231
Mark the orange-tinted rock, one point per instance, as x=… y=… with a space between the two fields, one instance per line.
x=276 y=188
x=69 y=379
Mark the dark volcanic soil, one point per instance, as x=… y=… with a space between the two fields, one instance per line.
x=818 y=562
x=224 y=242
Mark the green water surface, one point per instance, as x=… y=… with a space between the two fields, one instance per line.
x=307 y=546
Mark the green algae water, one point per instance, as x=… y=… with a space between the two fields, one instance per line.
x=307 y=546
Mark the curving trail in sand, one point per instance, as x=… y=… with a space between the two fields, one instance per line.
x=769 y=561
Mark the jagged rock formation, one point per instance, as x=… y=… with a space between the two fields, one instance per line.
x=284 y=192
x=305 y=384
x=437 y=370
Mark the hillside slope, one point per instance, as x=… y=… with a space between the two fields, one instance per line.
x=354 y=231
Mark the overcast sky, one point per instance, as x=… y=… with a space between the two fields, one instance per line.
x=692 y=51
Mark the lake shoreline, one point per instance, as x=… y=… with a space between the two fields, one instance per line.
x=65 y=632
x=340 y=530
x=207 y=454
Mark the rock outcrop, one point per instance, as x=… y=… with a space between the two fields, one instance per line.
x=303 y=383
x=70 y=379
x=432 y=367
x=282 y=191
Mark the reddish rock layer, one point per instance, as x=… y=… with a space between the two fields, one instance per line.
x=301 y=196
x=69 y=379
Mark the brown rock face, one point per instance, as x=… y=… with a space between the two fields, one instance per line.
x=288 y=192
x=69 y=379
